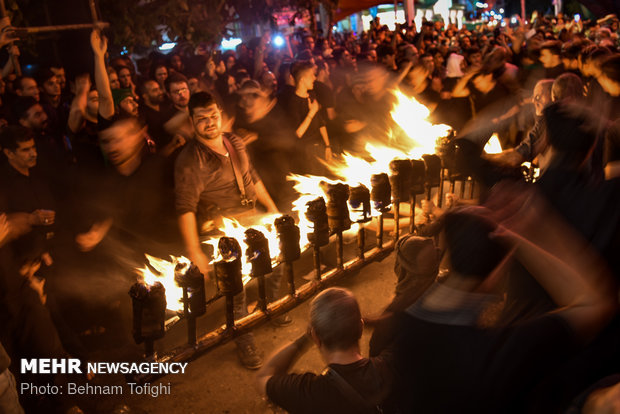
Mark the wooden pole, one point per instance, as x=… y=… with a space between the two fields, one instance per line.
x=65 y=27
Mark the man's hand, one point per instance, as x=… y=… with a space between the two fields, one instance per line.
x=89 y=240
x=98 y=43
x=82 y=84
x=328 y=154
x=7 y=32
x=202 y=261
x=313 y=107
x=43 y=217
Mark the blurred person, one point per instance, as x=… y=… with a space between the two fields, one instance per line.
x=155 y=112
x=490 y=369
x=9 y=399
x=551 y=58
x=130 y=195
x=179 y=123
x=178 y=91
x=303 y=112
x=535 y=140
x=57 y=111
x=159 y=73
x=26 y=187
x=349 y=384
x=125 y=78
x=125 y=105
x=609 y=79
x=213 y=179
x=176 y=63
x=26 y=86
x=82 y=124
x=269 y=139
x=454 y=71
x=53 y=155
x=113 y=78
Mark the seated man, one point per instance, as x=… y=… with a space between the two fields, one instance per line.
x=350 y=384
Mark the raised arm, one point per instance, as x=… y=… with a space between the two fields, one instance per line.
x=78 y=105
x=99 y=45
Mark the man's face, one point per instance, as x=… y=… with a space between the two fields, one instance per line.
x=154 y=94
x=541 y=99
x=24 y=157
x=121 y=142
x=309 y=43
x=124 y=77
x=30 y=88
x=114 y=82
x=60 y=74
x=35 y=118
x=475 y=59
x=308 y=78
x=51 y=86
x=428 y=63
x=161 y=73
x=129 y=105
x=207 y=122
x=179 y=94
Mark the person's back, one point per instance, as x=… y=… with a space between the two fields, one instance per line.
x=349 y=384
x=447 y=363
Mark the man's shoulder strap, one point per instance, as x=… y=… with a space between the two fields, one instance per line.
x=350 y=393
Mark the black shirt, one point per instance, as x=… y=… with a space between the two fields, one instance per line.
x=450 y=367
x=311 y=393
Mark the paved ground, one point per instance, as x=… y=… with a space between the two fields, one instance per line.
x=217 y=383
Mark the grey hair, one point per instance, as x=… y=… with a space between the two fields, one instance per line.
x=336 y=319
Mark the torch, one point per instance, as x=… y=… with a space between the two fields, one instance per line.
x=191 y=280
x=380 y=195
x=228 y=275
x=149 y=314
x=316 y=213
x=257 y=254
x=337 y=215
x=288 y=235
x=400 y=180
x=359 y=201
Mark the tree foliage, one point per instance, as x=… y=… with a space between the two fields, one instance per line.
x=140 y=22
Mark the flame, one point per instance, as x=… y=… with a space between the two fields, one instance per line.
x=411 y=116
x=493 y=146
x=165 y=275
x=419 y=136
x=232 y=228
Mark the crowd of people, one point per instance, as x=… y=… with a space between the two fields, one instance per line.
x=147 y=156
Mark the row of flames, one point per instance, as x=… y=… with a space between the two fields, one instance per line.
x=420 y=136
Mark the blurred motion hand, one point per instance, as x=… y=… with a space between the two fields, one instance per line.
x=89 y=240
x=43 y=217
x=328 y=154
x=4 y=228
x=201 y=261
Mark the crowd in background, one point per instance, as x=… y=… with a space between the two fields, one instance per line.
x=90 y=159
